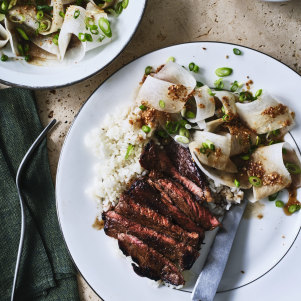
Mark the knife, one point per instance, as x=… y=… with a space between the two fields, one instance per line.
x=212 y=272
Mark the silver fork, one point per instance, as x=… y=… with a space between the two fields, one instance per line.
x=22 y=204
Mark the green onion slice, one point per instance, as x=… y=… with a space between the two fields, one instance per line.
x=279 y=204
x=210 y=144
x=245 y=157
x=89 y=21
x=293 y=208
x=171 y=59
x=40 y=15
x=255 y=181
x=22 y=33
x=148 y=70
x=88 y=37
x=236 y=183
x=273 y=196
x=125 y=4
x=182 y=139
x=190 y=114
x=20 y=49
x=55 y=39
x=82 y=37
x=105 y=27
x=129 y=151
x=199 y=84
x=293 y=168
x=234 y=87
x=258 y=140
x=196 y=69
x=118 y=8
x=45 y=8
x=224 y=71
x=162 y=134
x=4 y=6
x=142 y=107
x=101 y=38
x=27 y=58
x=236 y=51
x=161 y=104
x=146 y=129
x=16 y=18
x=12 y=3
x=258 y=93
x=226 y=117
x=2 y=17
x=94 y=29
x=184 y=132
x=62 y=14
x=210 y=92
x=219 y=84
x=191 y=66
x=4 y=57
x=76 y=14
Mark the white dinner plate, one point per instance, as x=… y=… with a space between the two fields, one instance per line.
x=20 y=73
x=265 y=261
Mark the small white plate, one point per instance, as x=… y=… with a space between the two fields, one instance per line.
x=264 y=260
x=19 y=73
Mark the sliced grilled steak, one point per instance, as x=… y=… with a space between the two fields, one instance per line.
x=151 y=219
x=182 y=255
x=155 y=158
x=181 y=158
x=186 y=202
x=173 y=212
x=151 y=263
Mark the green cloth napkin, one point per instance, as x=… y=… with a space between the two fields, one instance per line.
x=46 y=271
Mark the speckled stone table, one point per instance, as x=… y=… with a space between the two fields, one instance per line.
x=274 y=28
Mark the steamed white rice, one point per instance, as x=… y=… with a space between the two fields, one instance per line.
x=109 y=143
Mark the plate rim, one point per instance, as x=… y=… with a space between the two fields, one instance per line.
x=79 y=111
x=7 y=83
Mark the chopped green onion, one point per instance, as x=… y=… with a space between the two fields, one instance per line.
x=16 y=18
x=76 y=14
x=190 y=115
x=293 y=168
x=284 y=151
x=142 y=107
x=245 y=157
x=22 y=33
x=196 y=69
x=236 y=183
x=258 y=140
x=245 y=96
x=101 y=38
x=255 y=181
x=236 y=51
x=234 y=87
x=27 y=58
x=293 y=208
x=184 y=132
x=129 y=151
x=118 y=8
x=12 y=3
x=146 y=129
x=199 y=84
x=226 y=117
x=210 y=92
x=183 y=122
x=45 y=8
x=219 y=84
x=223 y=109
x=26 y=48
x=4 y=57
x=273 y=196
x=279 y=204
x=88 y=37
x=182 y=139
x=40 y=15
x=81 y=37
x=258 y=93
x=20 y=49
x=4 y=6
x=94 y=29
x=125 y=3
x=191 y=66
x=105 y=27
x=2 y=17
x=276 y=132
x=224 y=71
x=61 y=13
x=89 y=22
x=208 y=144
x=148 y=70
x=162 y=104
x=55 y=39
x=171 y=59
x=203 y=150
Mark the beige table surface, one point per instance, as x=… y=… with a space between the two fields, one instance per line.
x=273 y=28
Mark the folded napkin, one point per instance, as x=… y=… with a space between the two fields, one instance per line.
x=46 y=271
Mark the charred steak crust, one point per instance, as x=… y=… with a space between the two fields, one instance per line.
x=152 y=219
x=182 y=255
x=151 y=263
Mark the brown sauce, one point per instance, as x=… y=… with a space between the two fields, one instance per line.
x=292 y=200
x=98 y=225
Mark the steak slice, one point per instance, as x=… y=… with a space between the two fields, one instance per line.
x=181 y=158
x=151 y=219
x=174 y=213
x=182 y=255
x=151 y=264
x=155 y=158
x=187 y=203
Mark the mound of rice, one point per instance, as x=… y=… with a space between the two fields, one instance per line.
x=109 y=144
